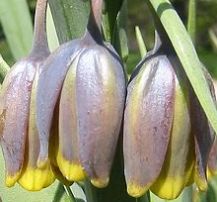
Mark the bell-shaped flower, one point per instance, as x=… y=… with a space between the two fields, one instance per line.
x=167 y=137
x=19 y=136
x=85 y=80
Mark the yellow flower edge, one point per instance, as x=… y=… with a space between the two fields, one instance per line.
x=12 y=179
x=100 y=183
x=136 y=190
x=35 y=179
x=71 y=171
x=169 y=188
x=200 y=182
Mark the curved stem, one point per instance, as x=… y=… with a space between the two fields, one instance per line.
x=40 y=43
x=94 y=22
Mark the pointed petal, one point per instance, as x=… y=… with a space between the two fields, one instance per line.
x=14 y=110
x=147 y=124
x=203 y=137
x=100 y=95
x=49 y=87
x=32 y=177
x=54 y=147
x=212 y=161
x=68 y=154
x=177 y=171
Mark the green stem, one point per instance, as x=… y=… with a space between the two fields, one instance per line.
x=4 y=69
x=69 y=193
x=90 y=192
x=145 y=198
x=192 y=19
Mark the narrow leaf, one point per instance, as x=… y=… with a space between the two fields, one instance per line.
x=17 y=24
x=140 y=42
x=192 y=19
x=70 y=18
x=110 y=13
x=51 y=31
x=186 y=52
x=119 y=40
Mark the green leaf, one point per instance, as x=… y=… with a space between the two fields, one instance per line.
x=51 y=32
x=186 y=52
x=213 y=38
x=119 y=39
x=70 y=18
x=192 y=19
x=140 y=42
x=4 y=68
x=110 y=13
x=17 y=24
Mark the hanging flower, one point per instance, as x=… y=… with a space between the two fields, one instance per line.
x=167 y=137
x=19 y=136
x=85 y=79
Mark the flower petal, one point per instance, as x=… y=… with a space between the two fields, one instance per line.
x=68 y=152
x=100 y=96
x=203 y=137
x=49 y=86
x=32 y=177
x=14 y=110
x=147 y=124
x=180 y=159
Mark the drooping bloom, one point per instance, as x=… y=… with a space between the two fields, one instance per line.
x=19 y=137
x=167 y=137
x=85 y=81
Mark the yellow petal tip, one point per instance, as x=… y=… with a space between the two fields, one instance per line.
x=135 y=190
x=100 y=183
x=169 y=188
x=35 y=179
x=211 y=173
x=11 y=179
x=71 y=171
x=201 y=182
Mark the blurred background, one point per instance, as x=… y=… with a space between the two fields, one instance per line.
x=206 y=34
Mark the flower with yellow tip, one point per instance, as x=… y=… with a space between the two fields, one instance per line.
x=167 y=137
x=85 y=81
x=19 y=136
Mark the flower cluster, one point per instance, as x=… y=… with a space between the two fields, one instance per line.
x=62 y=112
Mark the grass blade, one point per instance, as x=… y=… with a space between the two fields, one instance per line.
x=17 y=24
x=140 y=42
